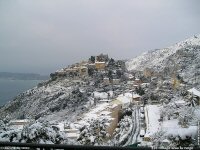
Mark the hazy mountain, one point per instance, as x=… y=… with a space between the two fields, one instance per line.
x=22 y=76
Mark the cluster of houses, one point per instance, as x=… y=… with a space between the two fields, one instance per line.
x=96 y=64
x=82 y=69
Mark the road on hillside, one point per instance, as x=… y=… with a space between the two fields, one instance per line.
x=136 y=126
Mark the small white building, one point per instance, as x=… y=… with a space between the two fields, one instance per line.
x=72 y=133
x=116 y=81
x=18 y=123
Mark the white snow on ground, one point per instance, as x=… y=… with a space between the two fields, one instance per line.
x=97 y=113
x=93 y=113
x=194 y=92
x=172 y=128
x=180 y=102
x=152 y=114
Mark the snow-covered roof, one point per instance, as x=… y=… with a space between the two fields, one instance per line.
x=72 y=135
x=19 y=121
x=124 y=99
x=116 y=102
x=136 y=96
x=166 y=141
x=100 y=62
x=152 y=116
x=130 y=82
x=116 y=79
x=102 y=95
x=20 y=127
x=180 y=102
x=194 y=91
x=71 y=130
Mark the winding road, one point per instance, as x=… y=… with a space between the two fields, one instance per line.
x=136 y=126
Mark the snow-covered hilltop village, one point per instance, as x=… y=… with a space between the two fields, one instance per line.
x=152 y=100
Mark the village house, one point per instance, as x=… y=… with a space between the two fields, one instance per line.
x=83 y=71
x=100 y=65
x=18 y=123
x=136 y=99
x=102 y=58
x=72 y=133
x=100 y=62
x=115 y=81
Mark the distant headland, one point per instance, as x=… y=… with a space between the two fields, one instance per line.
x=22 y=76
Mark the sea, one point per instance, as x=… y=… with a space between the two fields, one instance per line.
x=10 y=88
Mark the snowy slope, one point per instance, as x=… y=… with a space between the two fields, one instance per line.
x=156 y=57
x=55 y=100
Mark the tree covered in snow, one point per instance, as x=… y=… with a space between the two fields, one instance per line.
x=35 y=133
x=186 y=115
x=157 y=138
x=95 y=133
x=122 y=132
x=2 y=126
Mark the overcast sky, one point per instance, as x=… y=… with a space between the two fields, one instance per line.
x=41 y=36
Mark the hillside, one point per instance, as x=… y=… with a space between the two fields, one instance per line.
x=183 y=57
x=101 y=102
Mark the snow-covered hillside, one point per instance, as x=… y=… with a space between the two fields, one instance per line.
x=53 y=101
x=182 y=58
x=156 y=57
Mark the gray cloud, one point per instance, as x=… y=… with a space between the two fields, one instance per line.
x=42 y=36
